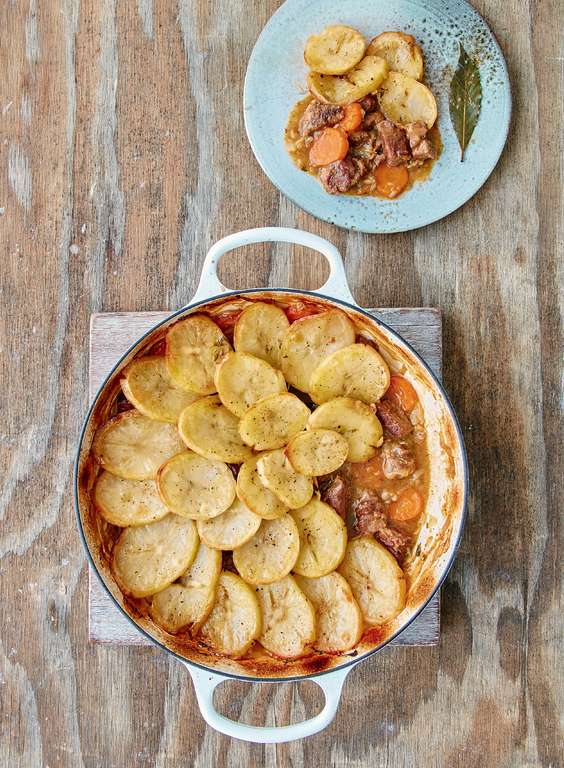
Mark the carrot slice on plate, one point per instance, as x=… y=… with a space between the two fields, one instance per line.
x=391 y=180
x=353 y=117
x=402 y=392
x=331 y=145
x=407 y=508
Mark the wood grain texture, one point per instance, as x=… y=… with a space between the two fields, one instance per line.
x=122 y=158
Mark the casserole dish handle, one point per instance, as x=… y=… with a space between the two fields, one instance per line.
x=206 y=682
x=335 y=287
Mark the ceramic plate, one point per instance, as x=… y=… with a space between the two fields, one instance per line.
x=275 y=81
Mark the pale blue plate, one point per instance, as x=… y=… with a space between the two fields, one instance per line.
x=276 y=77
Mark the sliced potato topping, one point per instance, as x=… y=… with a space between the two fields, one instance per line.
x=311 y=339
x=356 y=371
x=188 y=602
x=365 y=78
x=242 y=380
x=259 y=330
x=210 y=429
x=288 y=619
x=279 y=476
x=271 y=553
x=335 y=50
x=355 y=421
x=375 y=578
x=337 y=615
x=148 y=558
x=255 y=495
x=231 y=529
x=128 y=502
x=405 y=100
x=194 y=347
x=273 y=421
x=317 y=452
x=149 y=387
x=133 y=446
x=401 y=52
x=323 y=538
x=235 y=620
x=195 y=487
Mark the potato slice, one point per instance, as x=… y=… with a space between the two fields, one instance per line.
x=193 y=349
x=323 y=539
x=210 y=429
x=133 y=446
x=195 y=487
x=309 y=340
x=271 y=553
x=259 y=330
x=375 y=578
x=231 y=529
x=146 y=559
x=255 y=495
x=128 y=502
x=355 y=421
x=242 y=380
x=149 y=387
x=188 y=603
x=401 y=52
x=356 y=371
x=317 y=452
x=288 y=619
x=279 y=476
x=273 y=421
x=235 y=620
x=338 y=617
x=405 y=100
x=363 y=79
x=335 y=50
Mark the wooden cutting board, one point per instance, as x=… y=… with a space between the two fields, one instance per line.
x=111 y=334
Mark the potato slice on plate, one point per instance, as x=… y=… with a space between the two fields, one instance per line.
x=146 y=559
x=323 y=539
x=311 y=339
x=317 y=452
x=288 y=619
x=401 y=52
x=133 y=446
x=242 y=380
x=365 y=78
x=337 y=615
x=259 y=330
x=273 y=421
x=377 y=581
x=195 y=487
x=128 y=502
x=193 y=349
x=356 y=371
x=231 y=529
x=210 y=429
x=335 y=50
x=255 y=495
x=188 y=602
x=149 y=387
x=355 y=421
x=279 y=476
x=271 y=553
x=235 y=620
x=405 y=100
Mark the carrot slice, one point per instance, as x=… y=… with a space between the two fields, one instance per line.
x=402 y=392
x=407 y=508
x=300 y=309
x=368 y=474
x=353 y=117
x=331 y=145
x=391 y=180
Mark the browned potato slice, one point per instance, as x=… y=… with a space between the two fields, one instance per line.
x=259 y=330
x=405 y=100
x=323 y=539
x=375 y=578
x=133 y=446
x=231 y=529
x=271 y=553
x=148 y=558
x=279 y=476
x=210 y=429
x=335 y=50
x=317 y=452
x=255 y=495
x=363 y=79
x=235 y=620
x=128 y=502
x=274 y=420
x=149 y=387
x=401 y=52
x=242 y=380
x=353 y=419
x=357 y=371
x=193 y=349
x=195 y=487
x=288 y=619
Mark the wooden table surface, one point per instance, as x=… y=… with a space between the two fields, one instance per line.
x=123 y=157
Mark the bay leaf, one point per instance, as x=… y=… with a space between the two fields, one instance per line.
x=465 y=99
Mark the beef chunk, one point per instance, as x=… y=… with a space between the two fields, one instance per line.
x=335 y=494
x=368 y=146
x=341 y=175
x=423 y=151
x=318 y=115
x=397 y=460
x=394 y=541
x=370 y=518
x=372 y=119
x=395 y=422
x=369 y=103
x=421 y=147
x=396 y=148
